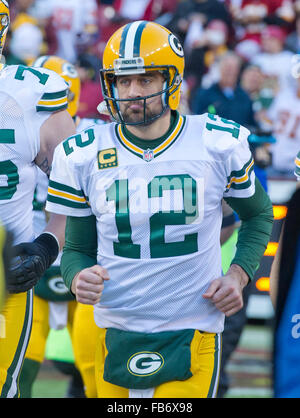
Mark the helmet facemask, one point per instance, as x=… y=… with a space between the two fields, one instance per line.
x=172 y=81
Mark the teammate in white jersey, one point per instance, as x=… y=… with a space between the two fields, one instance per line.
x=33 y=120
x=143 y=197
x=54 y=306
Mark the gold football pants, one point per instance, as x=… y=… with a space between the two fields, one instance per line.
x=40 y=328
x=205 y=367
x=85 y=336
x=16 y=321
x=83 y=332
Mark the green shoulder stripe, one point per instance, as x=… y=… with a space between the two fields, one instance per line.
x=240 y=179
x=66 y=202
x=55 y=95
x=66 y=195
x=51 y=109
x=65 y=188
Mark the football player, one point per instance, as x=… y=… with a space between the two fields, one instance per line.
x=143 y=198
x=54 y=306
x=33 y=120
x=284 y=293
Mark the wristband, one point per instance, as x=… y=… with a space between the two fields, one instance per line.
x=50 y=243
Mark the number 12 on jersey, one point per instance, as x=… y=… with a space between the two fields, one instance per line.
x=186 y=189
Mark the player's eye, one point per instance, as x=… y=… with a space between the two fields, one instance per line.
x=146 y=80
x=123 y=81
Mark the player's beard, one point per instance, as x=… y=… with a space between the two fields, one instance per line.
x=134 y=112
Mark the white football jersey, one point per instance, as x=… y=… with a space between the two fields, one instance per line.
x=285 y=116
x=41 y=188
x=27 y=98
x=158 y=214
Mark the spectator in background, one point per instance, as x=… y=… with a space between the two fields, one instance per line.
x=208 y=10
x=274 y=60
x=143 y=9
x=226 y=98
x=292 y=42
x=25 y=45
x=204 y=48
x=112 y=14
x=252 y=81
x=19 y=8
x=72 y=26
x=252 y=16
x=26 y=35
x=284 y=116
x=90 y=96
x=255 y=83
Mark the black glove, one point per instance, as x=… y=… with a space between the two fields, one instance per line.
x=31 y=260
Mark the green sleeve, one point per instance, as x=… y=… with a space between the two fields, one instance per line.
x=256 y=215
x=80 y=250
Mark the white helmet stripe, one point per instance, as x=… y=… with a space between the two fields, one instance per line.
x=129 y=44
x=39 y=62
x=133 y=38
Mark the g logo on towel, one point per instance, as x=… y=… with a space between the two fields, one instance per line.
x=145 y=363
x=57 y=285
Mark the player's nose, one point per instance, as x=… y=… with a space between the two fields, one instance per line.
x=134 y=89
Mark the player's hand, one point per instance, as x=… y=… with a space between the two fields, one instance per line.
x=88 y=284
x=227 y=292
x=31 y=260
x=24 y=273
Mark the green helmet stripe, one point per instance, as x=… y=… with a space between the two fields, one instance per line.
x=131 y=39
x=137 y=39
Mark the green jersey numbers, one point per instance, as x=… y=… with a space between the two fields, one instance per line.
x=118 y=192
x=223 y=125
x=42 y=77
x=81 y=140
x=9 y=177
x=188 y=189
x=173 y=200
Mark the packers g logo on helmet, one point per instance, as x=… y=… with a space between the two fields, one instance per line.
x=137 y=48
x=176 y=45
x=68 y=72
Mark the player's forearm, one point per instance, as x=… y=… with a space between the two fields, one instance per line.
x=255 y=230
x=80 y=250
x=57 y=226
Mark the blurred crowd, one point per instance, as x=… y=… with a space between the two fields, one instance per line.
x=242 y=58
